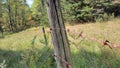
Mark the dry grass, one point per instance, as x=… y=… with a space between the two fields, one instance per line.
x=107 y=31
x=89 y=54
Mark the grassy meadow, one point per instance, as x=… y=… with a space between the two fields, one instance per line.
x=27 y=49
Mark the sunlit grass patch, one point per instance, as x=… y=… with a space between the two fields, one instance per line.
x=19 y=52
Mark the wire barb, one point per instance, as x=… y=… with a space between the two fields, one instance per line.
x=64 y=61
x=106 y=42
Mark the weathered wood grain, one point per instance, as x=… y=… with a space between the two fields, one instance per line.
x=58 y=32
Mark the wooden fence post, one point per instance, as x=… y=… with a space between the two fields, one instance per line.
x=59 y=36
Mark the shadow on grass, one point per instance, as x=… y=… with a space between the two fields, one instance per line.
x=11 y=58
x=36 y=58
x=104 y=59
x=32 y=58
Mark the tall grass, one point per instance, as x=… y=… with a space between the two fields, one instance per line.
x=27 y=49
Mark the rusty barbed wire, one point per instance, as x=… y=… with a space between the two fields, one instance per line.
x=83 y=36
x=68 y=30
x=64 y=61
x=69 y=65
x=103 y=42
x=57 y=29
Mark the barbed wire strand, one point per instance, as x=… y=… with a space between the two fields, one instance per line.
x=103 y=42
x=64 y=61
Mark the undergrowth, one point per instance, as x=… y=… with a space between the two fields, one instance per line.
x=27 y=49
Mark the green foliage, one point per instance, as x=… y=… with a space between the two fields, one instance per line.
x=18 y=50
x=36 y=58
x=14 y=15
x=89 y=10
x=85 y=54
x=17 y=15
x=36 y=55
x=39 y=12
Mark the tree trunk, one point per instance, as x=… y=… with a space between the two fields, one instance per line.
x=10 y=18
x=59 y=36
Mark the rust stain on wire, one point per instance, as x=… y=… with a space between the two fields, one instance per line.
x=104 y=42
x=64 y=61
